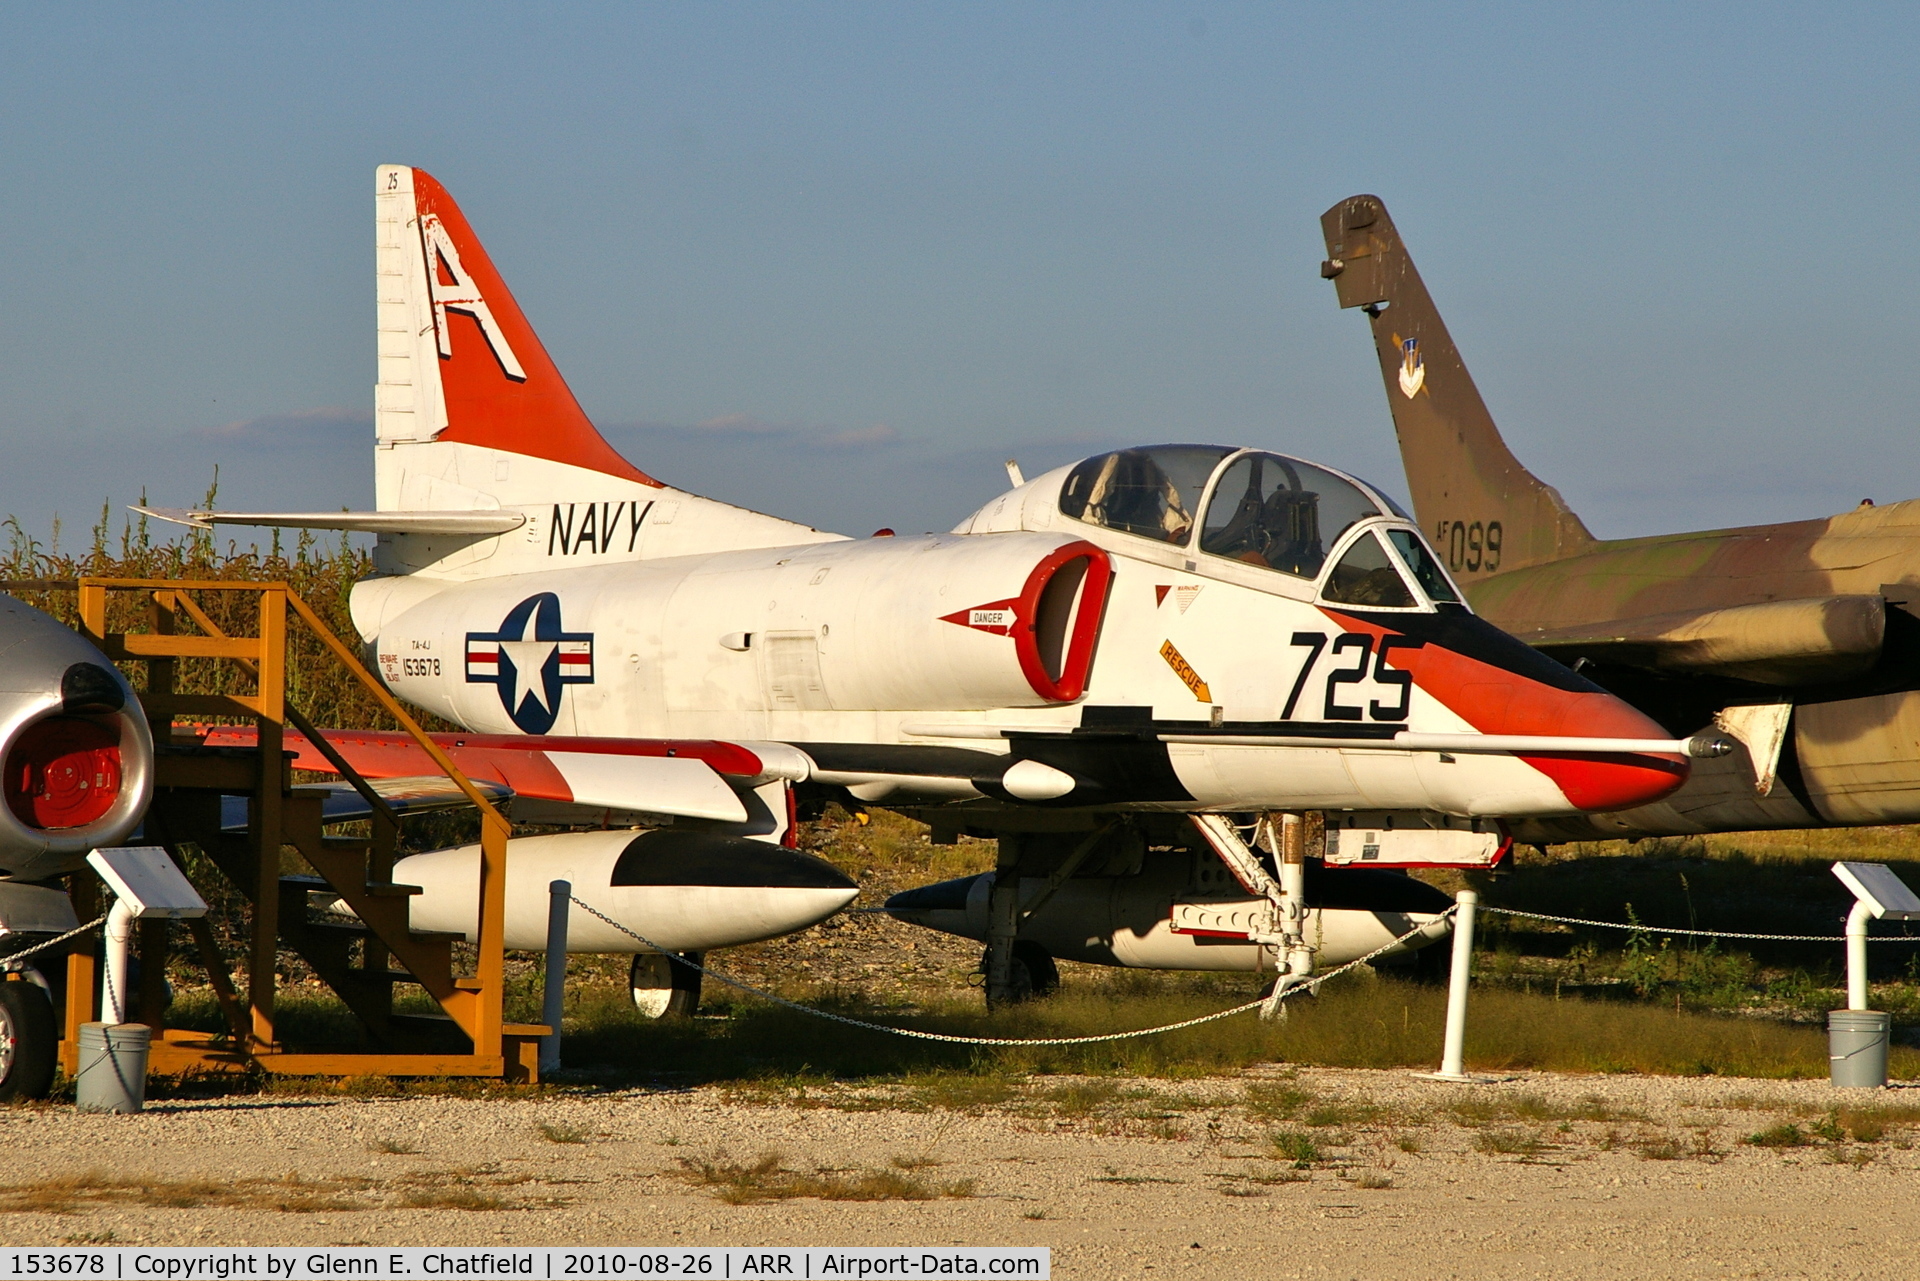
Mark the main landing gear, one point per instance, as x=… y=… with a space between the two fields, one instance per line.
x=28 y=1042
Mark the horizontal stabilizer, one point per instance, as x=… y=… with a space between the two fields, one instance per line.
x=1781 y=642
x=422 y=522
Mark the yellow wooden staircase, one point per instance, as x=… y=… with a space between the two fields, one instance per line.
x=361 y=956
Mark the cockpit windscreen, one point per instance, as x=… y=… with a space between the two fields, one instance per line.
x=1280 y=513
x=1152 y=492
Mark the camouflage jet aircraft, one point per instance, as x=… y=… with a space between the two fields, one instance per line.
x=1801 y=640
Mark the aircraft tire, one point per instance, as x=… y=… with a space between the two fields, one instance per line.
x=662 y=987
x=1043 y=976
x=27 y=1042
x=1032 y=974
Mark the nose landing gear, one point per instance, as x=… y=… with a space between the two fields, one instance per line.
x=1030 y=973
x=665 y=987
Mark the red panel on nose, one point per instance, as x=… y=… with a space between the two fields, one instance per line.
x=1495 y=700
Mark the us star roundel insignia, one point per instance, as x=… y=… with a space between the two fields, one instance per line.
x=530 y=660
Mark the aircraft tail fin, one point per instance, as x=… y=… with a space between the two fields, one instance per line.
x=1484 y=511
x=477 y=432
x=458 y=361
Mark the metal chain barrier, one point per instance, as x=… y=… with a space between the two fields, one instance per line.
x=1254 y=1004
x=24 y=953
x=1711 y=934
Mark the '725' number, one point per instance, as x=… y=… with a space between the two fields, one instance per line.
x=1360 y=645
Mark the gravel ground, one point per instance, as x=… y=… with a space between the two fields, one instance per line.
x=1540 y=1176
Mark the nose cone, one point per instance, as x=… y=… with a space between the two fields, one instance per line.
x=1611 y=782
x=1499 y=685
x=666 y=857
x=700 y=890
x=1502 y=686
x=946 y=906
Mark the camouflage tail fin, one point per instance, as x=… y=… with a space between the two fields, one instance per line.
x=1484 y=511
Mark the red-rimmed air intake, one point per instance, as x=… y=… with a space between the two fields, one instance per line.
x=1060 y=611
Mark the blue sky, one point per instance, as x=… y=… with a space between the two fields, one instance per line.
x=837 y=260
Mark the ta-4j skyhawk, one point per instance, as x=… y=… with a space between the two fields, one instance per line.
x=1136 y=672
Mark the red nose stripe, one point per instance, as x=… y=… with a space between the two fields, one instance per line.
x=1612 y=782
x=1496 y=701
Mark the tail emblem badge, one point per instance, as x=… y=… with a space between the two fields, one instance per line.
x=1413 y=368
x=530 y=660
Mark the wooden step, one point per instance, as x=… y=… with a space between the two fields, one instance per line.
x=376 y=889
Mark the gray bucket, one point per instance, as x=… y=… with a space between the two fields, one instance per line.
x=1857 y=1046
x=113 y=1067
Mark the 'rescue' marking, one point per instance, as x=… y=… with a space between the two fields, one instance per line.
x=1184 y=670
x=578 y=528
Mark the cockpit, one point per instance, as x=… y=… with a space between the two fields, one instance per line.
x=1265 y=510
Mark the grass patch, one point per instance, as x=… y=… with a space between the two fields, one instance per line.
x=452 y=1199
x=561 y=1133
x=768 y=1179
x=387 y=1087
x=1509 y=1141
x=1084 y=1098
x=1357 y=1022
x=1486 y=1109
x=1773 y=882
x=959 y=1091
x=393 y=1147
x=1130 y=1180
x=1270 y=1176
x=1662 y=1147
x=1870 y=1123
x=1373 y=1180
x=915 y=1161
x=1784 y=1135
x=1291 y=1145
x=294 y=1194
x=1327 y=1115
x=1272 y=1101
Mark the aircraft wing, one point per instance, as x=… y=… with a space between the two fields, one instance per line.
x=682 y=778
x=344 y=804
x=1782 y=642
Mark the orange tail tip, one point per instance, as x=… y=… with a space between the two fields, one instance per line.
x=458 y=360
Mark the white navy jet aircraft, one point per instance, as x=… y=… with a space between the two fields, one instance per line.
x=1116 y=668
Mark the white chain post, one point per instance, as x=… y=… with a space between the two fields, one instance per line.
x=1453 y=1054
x=1857 y=956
